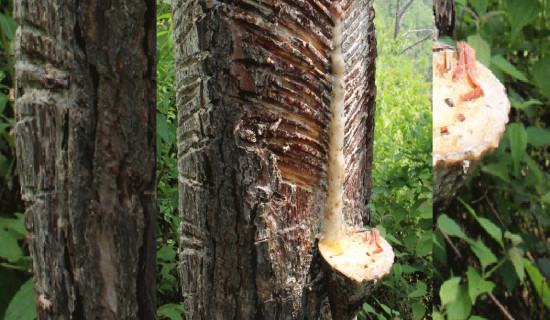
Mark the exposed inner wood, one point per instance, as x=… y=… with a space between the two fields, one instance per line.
x=470 y=113
x=332 y=223
x=358 y=254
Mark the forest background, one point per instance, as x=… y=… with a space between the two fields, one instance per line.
x=402 y=194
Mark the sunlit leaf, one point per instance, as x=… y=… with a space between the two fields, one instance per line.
x=450 y=227
x=476 y=284
x=460 y=308
x=485 y=255
x=540 y=283
x=449 y=290
x=516 y=256
x=483 y=50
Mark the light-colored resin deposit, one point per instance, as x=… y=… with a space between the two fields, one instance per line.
x=332 y=227
x=465 y=130
x=359 y=254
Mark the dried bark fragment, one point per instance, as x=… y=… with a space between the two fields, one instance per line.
x=85 y=141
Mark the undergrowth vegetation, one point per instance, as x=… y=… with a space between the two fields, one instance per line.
x=491 y=253
x=401 y=202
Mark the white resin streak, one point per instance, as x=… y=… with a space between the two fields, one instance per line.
x=332 y=222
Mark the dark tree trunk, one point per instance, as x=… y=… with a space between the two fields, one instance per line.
x=444 y=11
x=253 y=92
x=85 y=140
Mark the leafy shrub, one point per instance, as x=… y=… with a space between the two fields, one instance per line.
x=490 y=248
x=401 y=202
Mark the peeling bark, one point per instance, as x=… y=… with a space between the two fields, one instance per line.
x=85 y=137
x=253 y=92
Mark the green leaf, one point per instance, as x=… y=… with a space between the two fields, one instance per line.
x=516 y=257
x=508 y=68
x=514 y=238
x=3 y=102
x=538 y=137
x=450 y=227
x=525 y=104
x=483 y=50
x=540 y=284
x=9 y=249
x=172 y=311
x=518 y=143
x=541 y=70
x=498 y=170
x=166 y=253
x=484 y=254
x=418 y=310
x=492 y=229
x=546 y=197
x=8 y=25
x=460 y=308
x=476 y=284
x=22 y=306
x=424 y=245
x=479 y=5
x=419 y=291
x=449 y=290
x=521 y=13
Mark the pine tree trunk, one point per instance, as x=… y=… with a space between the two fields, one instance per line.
x=253 y=92
x=85 y=140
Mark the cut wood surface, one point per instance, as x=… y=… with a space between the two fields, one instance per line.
x=254 y=86
x=470 y=114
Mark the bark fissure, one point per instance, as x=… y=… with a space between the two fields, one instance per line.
x=253 y=93
x=86 y=99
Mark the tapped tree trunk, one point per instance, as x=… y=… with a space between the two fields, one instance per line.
x=254 y=86
x=85 y=138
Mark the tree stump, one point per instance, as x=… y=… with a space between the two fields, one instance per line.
x=470 y=114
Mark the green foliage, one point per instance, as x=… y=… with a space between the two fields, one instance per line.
x=168 y=286
x=22 y=306
x=401 y=201
x=494 y=240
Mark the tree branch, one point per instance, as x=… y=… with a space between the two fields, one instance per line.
x=417 y=42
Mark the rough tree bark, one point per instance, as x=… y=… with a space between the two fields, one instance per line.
x=253 y=92
x=444 y=11
x=85 y=140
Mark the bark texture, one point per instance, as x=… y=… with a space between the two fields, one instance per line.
x=85 y=140
x=253 y=93
x=444 y=11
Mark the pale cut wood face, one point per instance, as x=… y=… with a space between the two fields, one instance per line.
x=358 y=256
x=465 y=130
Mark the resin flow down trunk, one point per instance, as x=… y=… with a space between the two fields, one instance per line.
x=275 y=131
